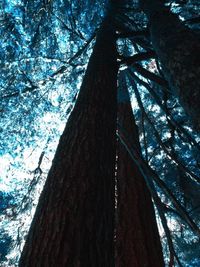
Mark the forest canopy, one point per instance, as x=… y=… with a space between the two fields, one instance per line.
x=44 y=53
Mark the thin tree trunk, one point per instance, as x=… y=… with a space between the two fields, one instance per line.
x=137 y=238
x=74 y=220
x=178 y=49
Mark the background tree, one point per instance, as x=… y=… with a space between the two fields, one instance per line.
x=137 y=242
x=177 y=47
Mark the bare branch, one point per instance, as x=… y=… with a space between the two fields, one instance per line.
x=150 y=75
x=137 y=57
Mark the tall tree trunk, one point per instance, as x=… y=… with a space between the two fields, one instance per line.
x=178 y=49
x=137 y=238
x=74 y=220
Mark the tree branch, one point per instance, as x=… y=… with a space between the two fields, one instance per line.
x=173 y=157
x=171 y=121
x=137 y=57
x=150 y=75
x=133 y=34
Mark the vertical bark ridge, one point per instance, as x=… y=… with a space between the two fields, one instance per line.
x=74 y=221
x=137 y=237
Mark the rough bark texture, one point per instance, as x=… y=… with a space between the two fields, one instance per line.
x=74 y=222
x=137 y=237
x=178 y=49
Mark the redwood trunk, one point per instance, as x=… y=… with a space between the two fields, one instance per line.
x=74 y=220
x=137 y=238
x=178 y=49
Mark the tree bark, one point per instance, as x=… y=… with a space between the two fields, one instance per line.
x=178 y=49
x=74 y=221
x=137 y=238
